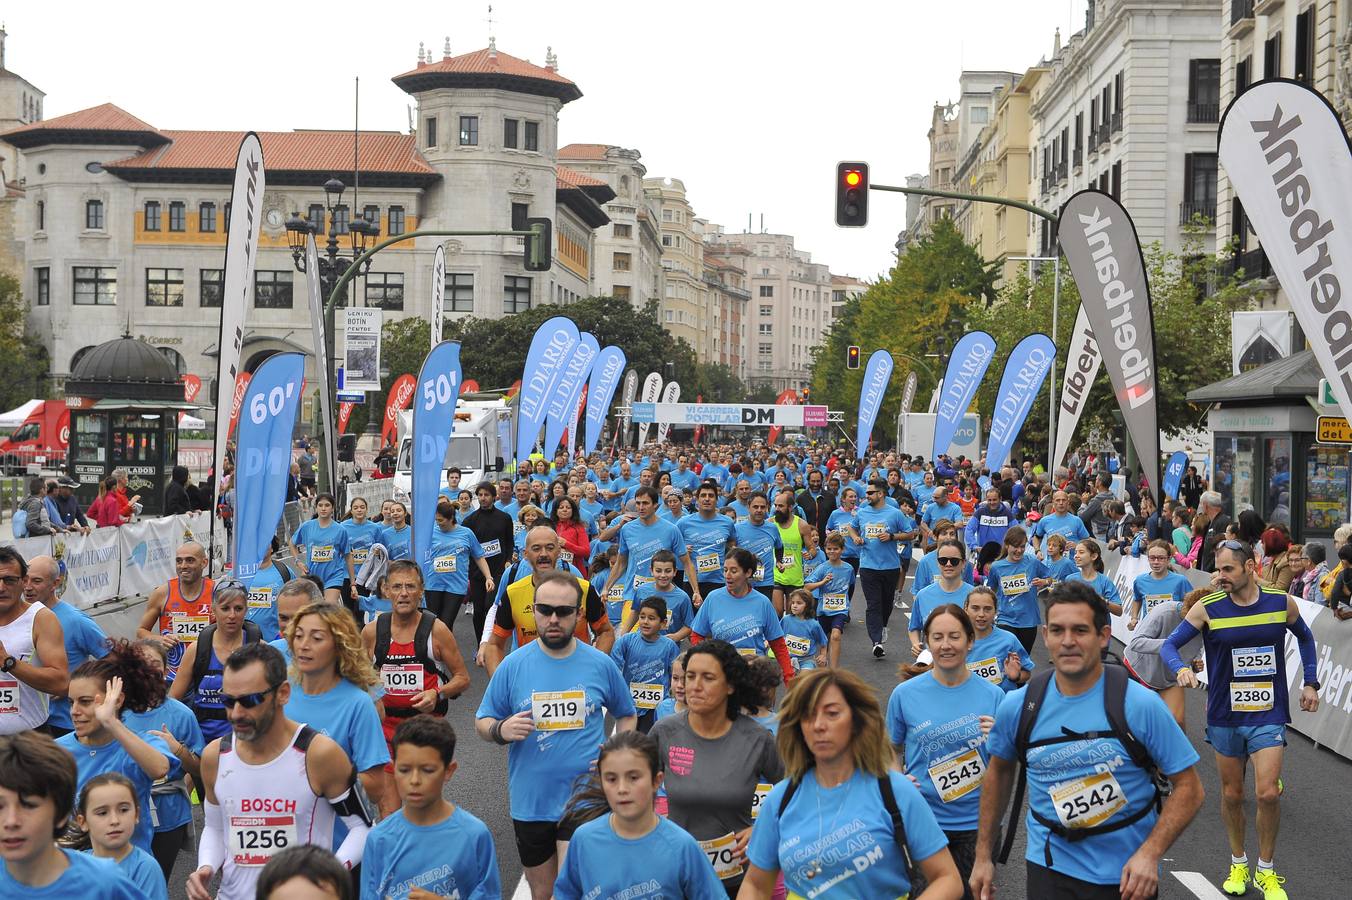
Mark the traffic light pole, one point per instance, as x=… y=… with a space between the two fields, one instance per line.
x=976 y=198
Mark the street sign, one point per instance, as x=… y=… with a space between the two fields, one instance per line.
x=1326 y=397
x=1333 y=430
x=352 y=397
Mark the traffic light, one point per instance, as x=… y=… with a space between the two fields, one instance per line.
x=852 y=194
x=539 y=253
x=852 y=357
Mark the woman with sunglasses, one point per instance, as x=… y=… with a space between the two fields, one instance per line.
x=1089 y=558
x=1017 y=577
x=201 y=688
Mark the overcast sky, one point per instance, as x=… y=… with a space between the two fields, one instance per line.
x=751 y=104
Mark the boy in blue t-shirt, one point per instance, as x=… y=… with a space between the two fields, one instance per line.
x=832 y=582
x=644 y=658
x=679 y=612
x=429 y=842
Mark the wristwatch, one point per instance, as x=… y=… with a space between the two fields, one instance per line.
x=9 y=663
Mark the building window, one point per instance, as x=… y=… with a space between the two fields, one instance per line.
x=460 y=292
x=469 y=131
x=315 y=217
x=520 y=212
x=206 y=217
x=623 y=230
x=621 y=292
x=177 y=216
x=977 y=115
x=396 y=223
x=42 y=215
x=385 y=290
x=371 y=213
x=515 y=294
x=430 y=131
x=211 y=287
x=1243 y=73
x=272 y=289
x=227 y=215
x=164 y=287
x=767 y=290
x=1304 y=69
x=532 y=136
x=1204 y=90
x=1272 y=56
x=666 y=240
x=95 y=285
x=1199 y=186
x=666 y=215
x=766 y=329
x=621 y=263
x=152 y=215
x=44 y=285
x=509 y=129
x=341 y=219
x=766 y=349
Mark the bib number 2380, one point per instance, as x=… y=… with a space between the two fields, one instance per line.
x=558 y=710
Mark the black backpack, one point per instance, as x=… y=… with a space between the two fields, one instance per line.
x=889 y=804
x=201 y=661
x=1115 y=680
x=421 y=635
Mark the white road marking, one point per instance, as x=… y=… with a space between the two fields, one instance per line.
x=1199 y=885
x=522 y=891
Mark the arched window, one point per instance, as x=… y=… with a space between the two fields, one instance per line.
x=79 y=355
x=180 y=366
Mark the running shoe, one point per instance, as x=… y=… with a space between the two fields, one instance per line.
x=1271 y=884
x=878 y=651
x=1238 y=881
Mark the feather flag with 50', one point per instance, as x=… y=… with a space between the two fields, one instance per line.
x=605 y=378
x=1025 y=371
x=549 y=352
x=563 y=402
x=876 y=375
x=433 y=419
x=264 y=455
x=966 y=367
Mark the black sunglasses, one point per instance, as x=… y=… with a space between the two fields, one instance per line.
x=1237 y=547
x=563 y=612
x=950 y=560
x=248 y=701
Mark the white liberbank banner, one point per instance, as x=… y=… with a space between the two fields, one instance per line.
x=1287 y=156
x=1082 y=366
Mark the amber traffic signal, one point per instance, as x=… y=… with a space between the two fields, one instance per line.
x=852 y=357
x=852 y=194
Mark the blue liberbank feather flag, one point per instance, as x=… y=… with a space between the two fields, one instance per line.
x=559 y=409
x=433 y=420
x=1025 y=370
x=550 y=349
x=876 y=375
x=605 y=378
x=966 y=367
x=267 y=418
x=1173 y=473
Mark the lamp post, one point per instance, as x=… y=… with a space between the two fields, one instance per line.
x=333 y=264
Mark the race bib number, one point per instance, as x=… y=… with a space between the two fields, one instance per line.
x=788 y=561
x=1089 y=801
x=256 y=839
x=1013 y=585
x=646 y=696
x=989 y=669
x=760 y=573
x=874 y=530
x=721 y=857
x=959 y=776
x=404 y=679
x=758 y=799
x=748 y=651
x=843 y=530
x=321 y=554
x=360 y=555
x=640 y=580
x=444 y=565
x=616 y=593
x=491 y=548
x=9 y=695
x=706 y=562
x=566 y=555
x=835 y=604
x=1154 y=600
x=187 y=628
x=558 y=710
x=518 y=527
x=1251 y=696
x=1253 y=662
x=798 y=646
x=260 y=598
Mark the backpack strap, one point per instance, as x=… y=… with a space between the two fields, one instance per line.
x=201 y=661
x=382 y=647
x=282 y=570
x=898 y=826
x=1034 y=693
x=788 y=795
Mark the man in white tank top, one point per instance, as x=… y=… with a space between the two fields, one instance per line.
x=32 y=651
x=271 y=784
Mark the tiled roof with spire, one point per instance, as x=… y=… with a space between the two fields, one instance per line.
x=489 y=67
x=583 y=151
x=103 y=124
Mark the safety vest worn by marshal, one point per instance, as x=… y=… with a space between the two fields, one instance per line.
x=521 y=599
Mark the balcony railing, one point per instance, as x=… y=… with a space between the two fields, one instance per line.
x=1117 y=122
x=1254 y=264
x=1190 y=208
x=1240 y=9
x=1061 y=172
x=1204 y=113
x=1077 y=157
x=1101 y=134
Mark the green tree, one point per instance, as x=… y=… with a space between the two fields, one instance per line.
x=24 y=364
x=716 y=383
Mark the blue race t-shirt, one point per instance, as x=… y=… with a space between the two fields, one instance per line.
x=566 y=697
x=876 y=553
x=638 y=543
x=665 y=862
x=398 y=541
x=645 y=662
x=933 y=597
x=762 y=541
x=1102 y=585
x=111 y=757
x=450 y=557
x=1149 y=591
x=857 y=855
x=325 y=550
x=1068 y=525
x=173 y=808
x=453 y=858
x=708 y=541
x=140 y=868
x=940 y=729
x=987 y=657
x=84 y=639
x=1061 y=569
x=263 y=587
x=1015 y=596
x=85 y=877
x=804 y=639
x=680 y=611
x=360 y=537
x=950 y=511
x=833 y=598
x=1091 y=781
x=748 y=623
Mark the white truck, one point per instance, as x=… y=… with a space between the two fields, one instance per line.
x=481 y=443
x=915 y=435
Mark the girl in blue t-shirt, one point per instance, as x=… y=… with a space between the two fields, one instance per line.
x=319 y=547
x=397 y=536
x=107 y=814
x=361 y=534
x=803 y=634
x=1089 y=558
x=615 y=602
x=620 y=845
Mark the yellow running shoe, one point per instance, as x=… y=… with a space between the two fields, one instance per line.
x=1238 y=881
x=1271 y=883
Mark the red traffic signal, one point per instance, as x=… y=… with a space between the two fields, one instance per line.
x=852 y=357
x=852 y=194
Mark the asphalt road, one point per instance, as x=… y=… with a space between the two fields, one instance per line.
x=1315 y=806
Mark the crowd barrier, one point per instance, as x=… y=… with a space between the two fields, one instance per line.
x=1331 y=725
